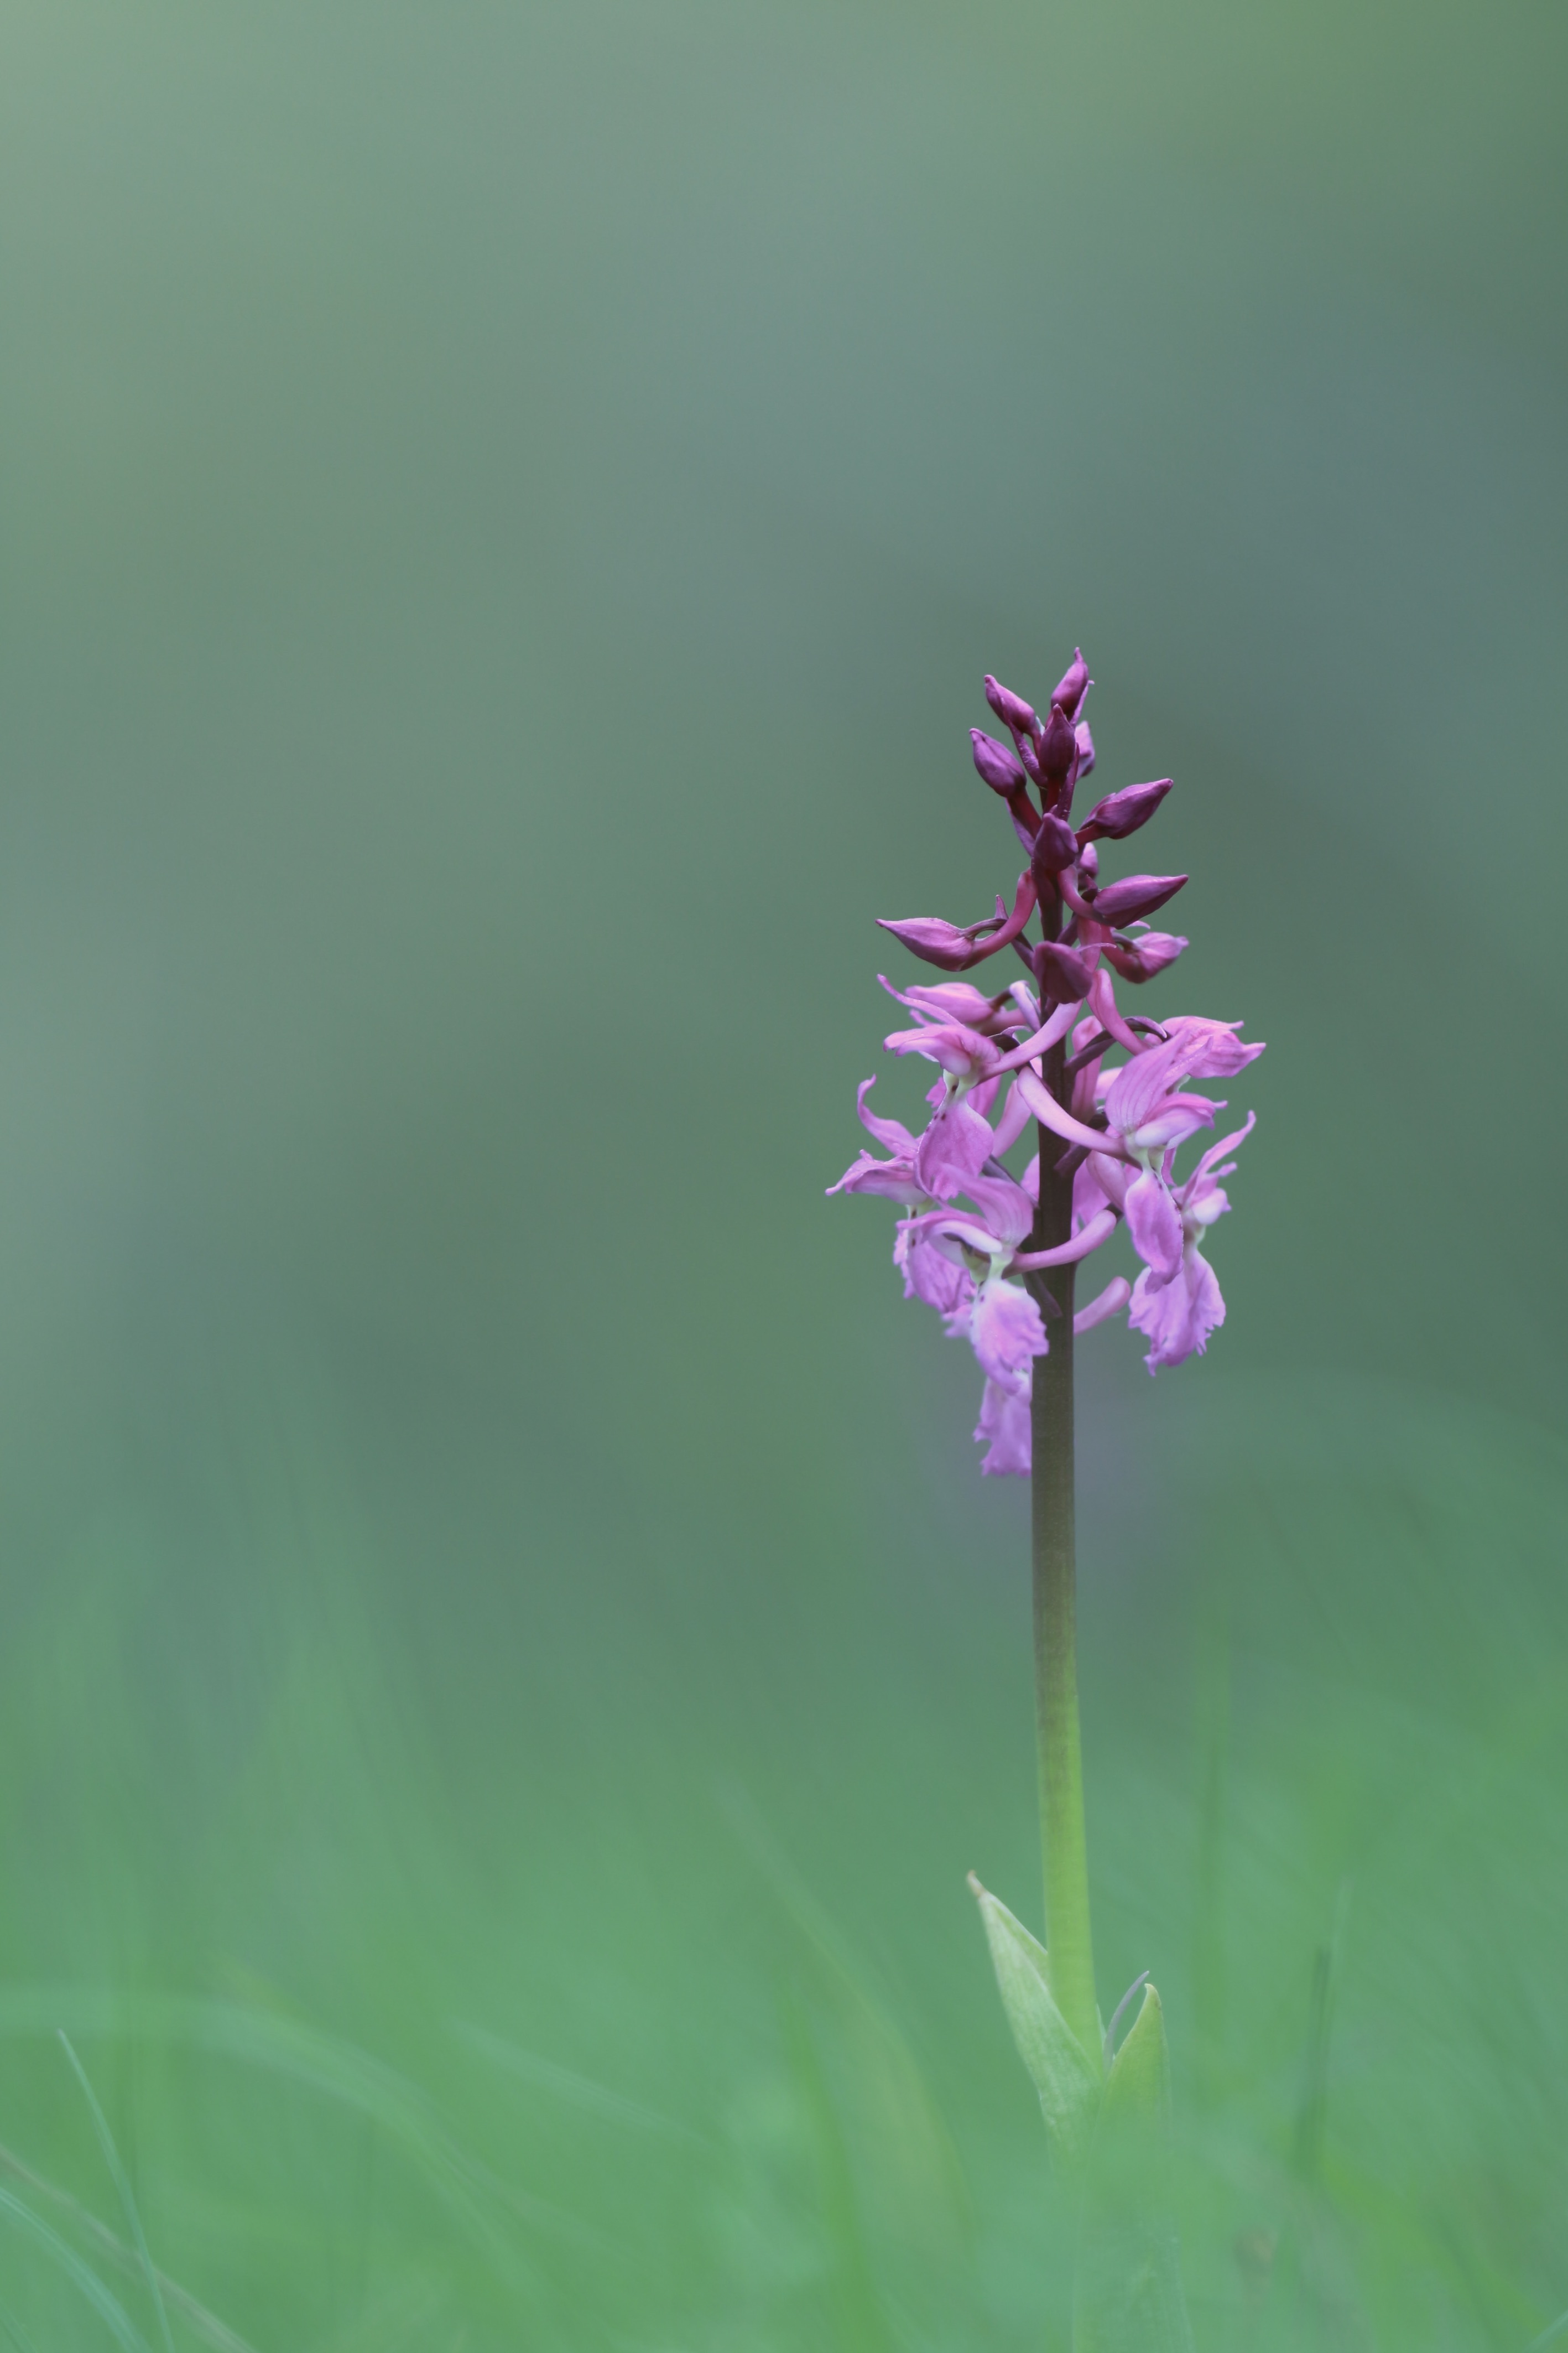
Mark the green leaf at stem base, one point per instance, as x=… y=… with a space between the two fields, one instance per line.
x=1064 y=2073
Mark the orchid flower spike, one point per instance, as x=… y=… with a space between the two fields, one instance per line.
x=973 y=1240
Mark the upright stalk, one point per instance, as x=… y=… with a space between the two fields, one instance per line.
x=1069 y=1935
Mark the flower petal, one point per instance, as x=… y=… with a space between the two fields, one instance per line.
x=1172 y=1122
x=1177 y=1318
x=1010 y=1126
x=1110 y=1302
x=1028 y=1048
x=1003 y=1430
x=1089 y=1194
x=1049 y=1113
x=1102 y=1002
x=928 y=1275
x=1113 y=1176
x=1154 y=1223
x=956 y=1146
x=891 y=1134
x=889 y=1180
x=962 y=1053
x=1099 y=1230
x=1005 y=1207
x=1006 y=1333
x=1211 y=1049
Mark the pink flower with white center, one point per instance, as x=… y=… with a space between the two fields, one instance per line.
x=963 y=1140
x=962 y=1053
x=1145 y=1109
x=1149 y=1115
x=996 y=1236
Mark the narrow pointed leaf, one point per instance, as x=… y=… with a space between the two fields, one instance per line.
x=1064 y=2076
x=1138 y=2088
x=1127 y=2290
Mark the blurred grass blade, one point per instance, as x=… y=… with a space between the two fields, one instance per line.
x=1311 y=2114
x=577 y=2091
x=860 y=2324
x=910 y=2173
x=122 y=2187
x=202 y=2323
x=1061 y=2070
x=106 y=2305
x=1552 y=2336
x=335 y=2069
x=14 y=2332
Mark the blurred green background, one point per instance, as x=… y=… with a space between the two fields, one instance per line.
x=506 y=1655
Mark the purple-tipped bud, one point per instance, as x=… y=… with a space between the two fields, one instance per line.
x=1011 y=709
x=1085 y=749
x=1058 y=745
x=1073 y=684
x=1120 y=814
x=1141 y=959
x=933 y=941
x=1055 y=847
x=1139 y=894
x=1063 y=975
x=998 y=763
x=940 y=942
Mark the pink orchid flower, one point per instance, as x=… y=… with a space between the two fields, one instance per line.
x=1178 y=1307
x=893 y=1179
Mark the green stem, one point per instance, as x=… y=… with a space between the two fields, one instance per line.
x=1069 y=1935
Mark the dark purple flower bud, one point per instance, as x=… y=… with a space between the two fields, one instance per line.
x=943 y=944
x=1011 y=709
x=1059 y=745
x=1087 y=863
x=1141 y=959
x=997 y=764
x=1120 y=814
x=1139 y=894
x=1055 y=846
x=1062 y=974
x=1073 y=685
x=933 y=941
x=1085 y=749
